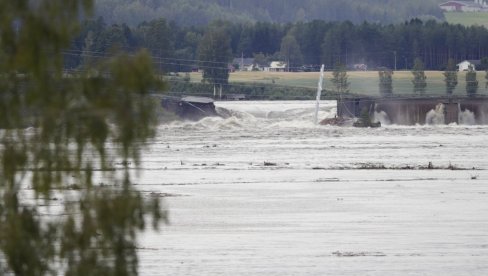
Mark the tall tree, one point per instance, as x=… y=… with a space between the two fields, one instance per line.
x=200 y=12
x=260 y=60
x=450 y=77
x=246 y=41
x=483 y=64
x=290 y=52
x=319 y=42
x=419 y=78
x=339 y=79
x=471 y=82
x=91 y=32
x=55 y=134
x=157 y=37
x=332 y=47
x=214 y=53
x=386 y=82
x=486 y=79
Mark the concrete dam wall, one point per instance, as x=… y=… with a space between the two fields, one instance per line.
x=412 y=111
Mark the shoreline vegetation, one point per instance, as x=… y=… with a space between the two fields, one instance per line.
x=299 y=47
x=303 y=85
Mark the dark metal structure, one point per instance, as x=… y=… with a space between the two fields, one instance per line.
x=190 y=107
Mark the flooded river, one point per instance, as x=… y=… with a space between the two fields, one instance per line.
x=266 y=192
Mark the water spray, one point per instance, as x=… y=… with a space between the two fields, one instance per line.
x=319 y=94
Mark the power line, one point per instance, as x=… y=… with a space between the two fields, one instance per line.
x=397 y=86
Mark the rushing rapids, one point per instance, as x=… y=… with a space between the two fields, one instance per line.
x=265 y=191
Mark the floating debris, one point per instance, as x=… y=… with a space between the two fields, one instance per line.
x=358 y=254
x=123 y=163
x=328 y=180
x=336 y=121
x=429 y=166
x=155 y=194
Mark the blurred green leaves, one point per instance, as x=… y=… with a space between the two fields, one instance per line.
x=60 y=130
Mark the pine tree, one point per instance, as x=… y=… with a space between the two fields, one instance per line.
x=54 y=140
x=419 y=77
x=450 y=77
x=290 y=51
x=471 y=82
x=214 y=55
x=486 y=78
x=339 y=79
x=386 y=82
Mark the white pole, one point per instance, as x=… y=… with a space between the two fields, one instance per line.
x=319 y=93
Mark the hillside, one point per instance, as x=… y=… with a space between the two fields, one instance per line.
x=467 y=18
x=198 y=12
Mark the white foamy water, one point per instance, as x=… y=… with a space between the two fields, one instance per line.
x=266 y=192
x=381 y=117
x=467 y=117
x=435 y=116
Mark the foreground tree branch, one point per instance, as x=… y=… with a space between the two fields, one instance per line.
x=60 y=136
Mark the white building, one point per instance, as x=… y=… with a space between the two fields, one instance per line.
x=276 y=66
x=245 y=64
x=464 y=65
x=464 y=6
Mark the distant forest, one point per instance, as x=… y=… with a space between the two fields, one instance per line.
x=202 y=12
x=176 y=48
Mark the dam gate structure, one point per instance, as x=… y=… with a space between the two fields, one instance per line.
x=417 y=110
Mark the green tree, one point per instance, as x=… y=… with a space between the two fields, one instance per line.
x=200 y=12
x=419 y=77
x=450 y=77
x=260 y=59
x=59 y=139
x=214 y=53
x=486 y=79
x=156 y=36
x=84 y=43
x=331 y=48
x=483 y=64
x=386 y=82
x=290 y=51
x=245 y=41
x=471 y=82
x=339 y=79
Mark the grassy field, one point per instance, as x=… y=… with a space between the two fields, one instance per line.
x=365 y=83
x=467 y=18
